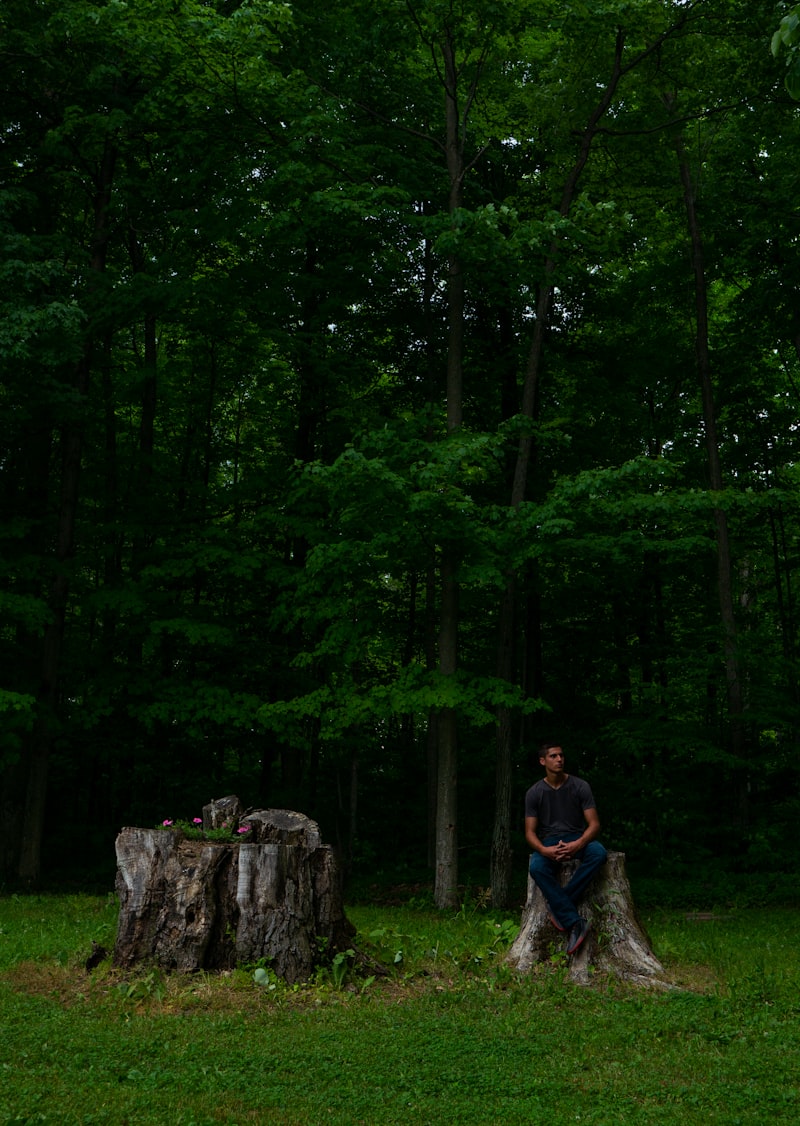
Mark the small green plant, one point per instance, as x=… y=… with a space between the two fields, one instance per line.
x=265 y=977
x=335 y=974
x=503 y=932
x=479 y=901
x=558 y=956
x=340 y=966
x=149 y=985
x=503 y=978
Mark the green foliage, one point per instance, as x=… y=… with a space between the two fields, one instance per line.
x=786 y=39
x=225 y=242
x=17 y=712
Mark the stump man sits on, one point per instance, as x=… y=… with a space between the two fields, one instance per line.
x=561 y=823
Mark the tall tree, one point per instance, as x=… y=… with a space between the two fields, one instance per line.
x=88 y=88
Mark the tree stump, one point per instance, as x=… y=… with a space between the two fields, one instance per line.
x=190 y=905
x=616 y=944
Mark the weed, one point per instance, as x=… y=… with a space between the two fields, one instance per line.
x=471 y=903
x=557 y=956
x=266 y=978
x=143 y=987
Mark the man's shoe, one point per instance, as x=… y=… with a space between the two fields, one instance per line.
x=577 y=935
x=556 y=924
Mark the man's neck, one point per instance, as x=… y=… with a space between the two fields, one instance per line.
x=556 y=781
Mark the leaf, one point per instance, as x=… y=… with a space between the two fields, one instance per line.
x=789 y=29
x=16 y=702
x=792 y=80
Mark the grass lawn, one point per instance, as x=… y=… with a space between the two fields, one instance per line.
x=449 y=1036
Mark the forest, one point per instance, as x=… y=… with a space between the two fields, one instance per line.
x=388 y=387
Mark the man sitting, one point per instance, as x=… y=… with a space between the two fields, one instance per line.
x=561 y=823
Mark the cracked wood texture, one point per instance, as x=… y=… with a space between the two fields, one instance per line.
x=617 y=943
x=190 y=905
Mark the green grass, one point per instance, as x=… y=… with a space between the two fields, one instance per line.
x=449 y=1036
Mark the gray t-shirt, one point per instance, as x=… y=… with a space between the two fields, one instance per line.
x=559 y=811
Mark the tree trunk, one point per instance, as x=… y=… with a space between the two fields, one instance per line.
x=45 y=725
x=432 y=728
x=501 y=854
x=733 y=678
x=191 y=905
x=446 y=872
x=501 y=848
x=616 y=945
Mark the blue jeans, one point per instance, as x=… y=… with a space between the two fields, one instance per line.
x=544 y=871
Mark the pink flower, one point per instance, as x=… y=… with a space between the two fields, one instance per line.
x=167 y=822
x=243 y=829
x=197 y=821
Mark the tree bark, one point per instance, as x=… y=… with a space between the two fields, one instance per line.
x=617 y=943
x=191 y=905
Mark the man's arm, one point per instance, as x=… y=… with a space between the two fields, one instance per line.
x=592 y=830
x=532 y=837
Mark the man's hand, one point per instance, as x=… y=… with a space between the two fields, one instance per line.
x=565 y=850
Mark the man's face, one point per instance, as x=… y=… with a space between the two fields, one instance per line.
x=553 y=760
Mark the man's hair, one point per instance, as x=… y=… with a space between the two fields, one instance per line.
x=545 y=747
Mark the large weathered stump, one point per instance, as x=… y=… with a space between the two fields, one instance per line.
x=616 y=944
x=189 y=904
